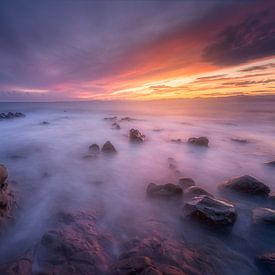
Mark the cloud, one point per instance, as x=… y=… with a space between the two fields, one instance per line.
x=258 y=68
x=253 y=38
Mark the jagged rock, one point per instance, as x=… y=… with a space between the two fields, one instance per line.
x=265 y=215
x=195 y=191
x=164 y=191
x=266 y=263
x=3 y=175
x=116 y=126
x=200 y=141
x=270 y=163
x=248 y=185
x=185 y=183
x=94 y=149
x=108 y=147
x=210 y=210
x=136 y=136
x=11 y=115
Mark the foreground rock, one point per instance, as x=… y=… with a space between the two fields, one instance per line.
x=270 y=163
x=168 y=190
x=200 y=141
x=94 y=149
x=247 y=185
x=11 y=115
x=136 y=136
x=108 y=147
x=209 y=210
x=185 y=183
x=195 y=191
x=266 y=263
x=264 y=215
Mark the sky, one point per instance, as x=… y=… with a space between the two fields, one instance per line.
x=136 y=50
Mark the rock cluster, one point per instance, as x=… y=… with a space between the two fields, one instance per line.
x=11 y=115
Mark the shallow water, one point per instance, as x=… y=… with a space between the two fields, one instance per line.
x=47 y=164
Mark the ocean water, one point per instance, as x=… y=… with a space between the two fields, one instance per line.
x=50 y=172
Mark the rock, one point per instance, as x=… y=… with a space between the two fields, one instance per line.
x=185 y=183
x=127 y=119
x=108 y=147
x=164 y=191
x=247 y=185
x=94 y=149
x=270 y=163
x=178 y=140
x=44 y=123
x=266 y=263
x=195 y=191
x=116 y=126
x=200 y=141
x=239 y=140
x=11 y=115
x=136 y=136
x=111 y=118
x=3 y=175
x=210 y=210
x=264 y=215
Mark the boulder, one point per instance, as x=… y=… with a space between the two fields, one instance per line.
x=266 y=263
x=195 y=191
x=209 y=210
x=3 y=175
x=200 y=141
x=263 y=215
x=270 y=163
x=168 y=190
x=247 y=185
x=136 y=136
x=108 y=147
x=185 y=183
x=94 y=149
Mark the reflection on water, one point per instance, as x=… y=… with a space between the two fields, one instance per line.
x=46 y=161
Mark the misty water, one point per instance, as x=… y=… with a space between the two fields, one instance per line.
x=50 y=173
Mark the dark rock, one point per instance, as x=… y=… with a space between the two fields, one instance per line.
x=108 y=147
x=270 y=163
x=116 y=126
x=210 y=210
x=136 y=136
x=11 y=115
x=248 y=185
x=127 y=119
x=111 y=118
x=264 y=215
x=3 y=175
x=185 y=183
x=164 y=191
x=94 y=149
x=195 y=191
x=200 y=141
x=266 y=263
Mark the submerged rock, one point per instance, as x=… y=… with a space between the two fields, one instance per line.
x=195 y=191
x=200 y=141
x=239 y=140
x=185 y=183
x=178 y=140
x=210 y=210
x=108 y=147
x=265 y=215
x=136 y=136
x=111 y=118
x=270 y=163
x=266 y=263
x=248 y=185
x=94 y=149
x=164 y=191
x=116 y=126
x=11 y=115
x=127 y=119
x=44 y=123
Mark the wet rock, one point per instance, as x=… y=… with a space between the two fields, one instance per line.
x=136 y=136
x=266 y=263
x=94 y=149
x=247 y=185
x=178 y=140
x=195 y=191
x=111 y=118
x=11 y=115
x=263 y=215
x=116 y=126
x=44 y=123
x=3 y=175
x=200 y=141
x=185 y=183
x=270 y=163
x=108 y=147
x=164 y=191
x=239 y=140
x=209 y=210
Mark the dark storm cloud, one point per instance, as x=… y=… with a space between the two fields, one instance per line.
x=251 y=39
